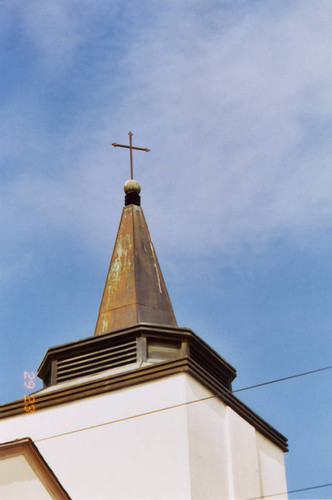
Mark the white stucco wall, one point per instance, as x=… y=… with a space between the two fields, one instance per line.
x=19 y=481
x=229 y=459
x=195 y=451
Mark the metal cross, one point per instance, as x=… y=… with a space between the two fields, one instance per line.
x=131 y=147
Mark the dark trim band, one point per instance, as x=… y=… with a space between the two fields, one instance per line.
x=146 y=374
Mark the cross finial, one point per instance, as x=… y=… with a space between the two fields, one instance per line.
x=130 y=147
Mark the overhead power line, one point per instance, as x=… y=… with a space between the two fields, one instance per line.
x=197 y=401
x=144 y=414
x=130 y=417
x=292 y=491
x=282 y=379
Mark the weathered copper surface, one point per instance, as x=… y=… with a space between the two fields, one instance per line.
x=135 y=290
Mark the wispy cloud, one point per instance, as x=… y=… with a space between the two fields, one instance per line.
x=238 y=111
x=235 y=103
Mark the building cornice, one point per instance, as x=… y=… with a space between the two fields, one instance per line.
x=46 y=399
x=127 y=346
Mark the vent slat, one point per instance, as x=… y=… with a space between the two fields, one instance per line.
x=95 y=358
x=101 y=352
x=118 y=354
x=108 y=361
x=84 y=371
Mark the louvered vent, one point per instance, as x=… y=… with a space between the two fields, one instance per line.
x=103 y=359
x=209 y=366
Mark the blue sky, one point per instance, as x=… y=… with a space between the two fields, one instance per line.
x=234 y=100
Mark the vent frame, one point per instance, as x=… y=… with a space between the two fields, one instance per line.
x=127 y=349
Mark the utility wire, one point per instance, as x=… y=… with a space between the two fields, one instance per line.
x=292 y=491
x=179 y=405
x=126 y=418
x=284 y=378
x=197 y=401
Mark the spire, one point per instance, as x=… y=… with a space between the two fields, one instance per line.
x=135 y=290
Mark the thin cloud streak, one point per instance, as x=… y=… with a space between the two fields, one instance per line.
x=225 y=101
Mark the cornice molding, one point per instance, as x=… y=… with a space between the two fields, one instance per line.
x=47 y=399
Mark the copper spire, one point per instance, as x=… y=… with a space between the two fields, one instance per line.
x=135 y=290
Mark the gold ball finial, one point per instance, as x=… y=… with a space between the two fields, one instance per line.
x=132 y=186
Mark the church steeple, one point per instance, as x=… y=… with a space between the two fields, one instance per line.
x=140 y=363
x=135 y=291
x=166 y=392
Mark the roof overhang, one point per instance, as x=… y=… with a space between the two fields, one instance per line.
x=22 y=464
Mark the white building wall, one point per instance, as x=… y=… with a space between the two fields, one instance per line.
x=19 y=481
x=245 y=473
x=207 y=436
x=199 y=450
x=229 y=459
x=272 y=468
